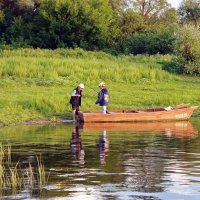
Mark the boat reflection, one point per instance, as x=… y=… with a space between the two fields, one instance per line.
x=103 y=146
x=76 y=147
x=182 y=129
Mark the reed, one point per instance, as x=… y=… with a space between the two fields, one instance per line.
x=1 y=153
x=2 y=177
x=31 y=181
x=41 y=173
x=14 y=177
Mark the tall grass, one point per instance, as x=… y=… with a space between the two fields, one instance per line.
x=27 y=63
x=30 y=176
x=13 y=177
x=41 y=173
x=36 y=84
x=14 y=180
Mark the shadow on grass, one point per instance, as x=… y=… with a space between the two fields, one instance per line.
x=169 y=66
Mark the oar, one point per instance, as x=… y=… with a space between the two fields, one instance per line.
x=181 y=106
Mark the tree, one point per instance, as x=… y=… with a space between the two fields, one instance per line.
x=118 y=6
x=189 y=12
x=127 y=20
x=142 y=15
x=130 y=22
x=18 y=7
x=88 y=24
x=17 y=23
x=153 y=12
x=147 y=26
x=66 y=23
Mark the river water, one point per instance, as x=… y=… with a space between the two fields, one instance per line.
x=149 y=161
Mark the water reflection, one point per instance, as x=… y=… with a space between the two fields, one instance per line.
x=146 y=160
x=77 y=150
x=76 y=147
x=182 y=129
x=103 y=146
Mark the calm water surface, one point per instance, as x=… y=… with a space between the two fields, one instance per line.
x=111 y=161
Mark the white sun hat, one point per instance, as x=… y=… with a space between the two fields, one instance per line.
x=81 y=85
x=102 y=84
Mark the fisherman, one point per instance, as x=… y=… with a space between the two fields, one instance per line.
x=75 y=100
x=103 y=97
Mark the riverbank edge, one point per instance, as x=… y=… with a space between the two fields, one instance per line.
x=55 y=121
x=39 y=122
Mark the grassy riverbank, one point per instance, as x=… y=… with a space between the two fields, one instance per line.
x=36 y=84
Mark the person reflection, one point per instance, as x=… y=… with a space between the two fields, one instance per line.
x=76 y=148
x=103 y=146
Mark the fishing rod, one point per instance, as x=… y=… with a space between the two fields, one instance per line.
x=75 y=81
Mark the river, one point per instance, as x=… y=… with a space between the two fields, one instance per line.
x=149 y=161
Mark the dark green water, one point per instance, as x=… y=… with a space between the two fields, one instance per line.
x=111 y=162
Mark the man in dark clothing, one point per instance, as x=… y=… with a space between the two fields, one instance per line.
x=103 y=97
x=75 y=100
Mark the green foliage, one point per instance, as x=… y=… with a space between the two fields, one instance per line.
x=91 y=24
x=130 y=22
x=61 y=23
x=76 y=24
x=16 y=28
x=154 y=13
x=152 y=42
x=146 y=26
x=18 y=33
x=189 y=12
x=188 y=50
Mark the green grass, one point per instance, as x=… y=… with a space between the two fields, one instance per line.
x=36 y=84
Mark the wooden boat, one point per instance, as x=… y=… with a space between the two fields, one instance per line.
x=180 y=112
x=181 y=129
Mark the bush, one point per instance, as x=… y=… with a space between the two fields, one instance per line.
x=152 y=42
x=188 y=50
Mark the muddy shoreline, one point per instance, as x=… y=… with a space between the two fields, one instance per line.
x=39 y=122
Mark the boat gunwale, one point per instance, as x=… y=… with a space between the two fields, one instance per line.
x=122 y=112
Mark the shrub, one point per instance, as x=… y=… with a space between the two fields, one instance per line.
x=188 y=50
x=151 y=42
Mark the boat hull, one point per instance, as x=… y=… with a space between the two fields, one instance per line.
x=144 y=115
